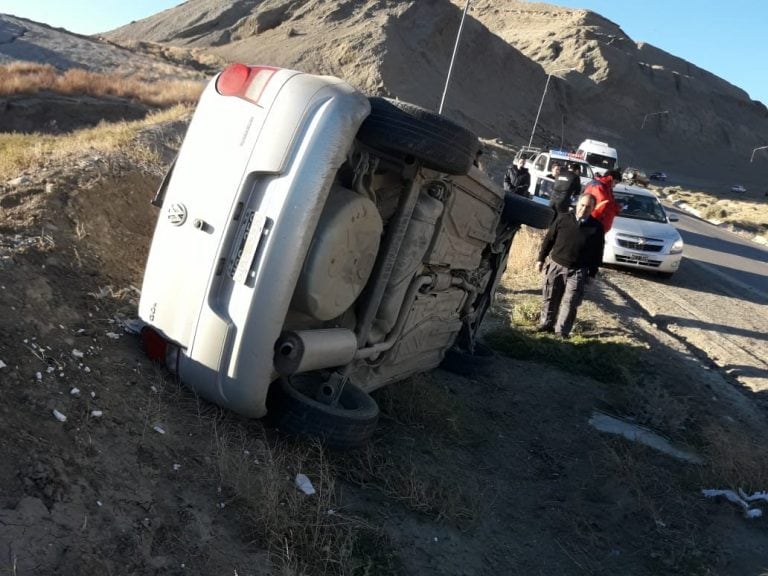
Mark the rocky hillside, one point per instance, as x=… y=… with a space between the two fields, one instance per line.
x=604 y=83
x=403 y=49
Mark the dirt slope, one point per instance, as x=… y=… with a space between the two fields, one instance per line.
x=498 y=473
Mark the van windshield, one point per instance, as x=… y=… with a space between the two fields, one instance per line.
x=601 y=161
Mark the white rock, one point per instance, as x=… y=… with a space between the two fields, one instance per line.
x=97 y=413
x=77 y=354
x=87 y=370
x=158 y=429
x=304 y=484
x=39 y=376
x=3 y=364
x=75 y=392
x=59 y=416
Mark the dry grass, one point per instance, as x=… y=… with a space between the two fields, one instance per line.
x=736 y=458
x=30 y=78
x=749 y=213
x=20 y=152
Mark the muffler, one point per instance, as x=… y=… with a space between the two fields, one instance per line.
x=307 y=350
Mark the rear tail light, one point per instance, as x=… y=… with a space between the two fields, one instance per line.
x=246 y=82
x=159 y=349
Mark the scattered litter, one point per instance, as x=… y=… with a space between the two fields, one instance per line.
x=637 y=433
x=87 y=370
x=741 y=499
x=113 y=335
x=61 y=374
x=59 y=416
x=98 y=503
x=134 y=325
x=77 y=354
x=153 y=388
x=97 y=413
x=93 y=394
x=158 y=429
x=75 y=391
x=304 y=484
x=50 y=369
x=79 y=331
x=39 y=376
x=176 y=467
x=3 y=364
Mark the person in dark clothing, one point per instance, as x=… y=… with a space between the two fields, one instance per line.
x=517 y=179
x=573 y=251
x=565 y=188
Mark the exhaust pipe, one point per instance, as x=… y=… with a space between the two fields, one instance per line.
x=307 y=350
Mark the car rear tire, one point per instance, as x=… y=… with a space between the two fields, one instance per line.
x=403 y=128
x=294 y=410
x=519 y=210
x=464 y=363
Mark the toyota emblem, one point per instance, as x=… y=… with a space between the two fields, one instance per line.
x=177 y=214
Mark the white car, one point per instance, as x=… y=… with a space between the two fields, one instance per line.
x=641 y=236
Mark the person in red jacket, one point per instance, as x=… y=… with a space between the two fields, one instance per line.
x=606 y=207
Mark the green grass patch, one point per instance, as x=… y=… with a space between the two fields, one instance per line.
x=604 y=361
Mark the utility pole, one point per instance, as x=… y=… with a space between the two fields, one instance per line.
x=453 y=57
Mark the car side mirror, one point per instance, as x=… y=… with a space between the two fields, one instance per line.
x=673 y=218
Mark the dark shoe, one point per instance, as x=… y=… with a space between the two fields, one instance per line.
x=562 y=335
x=544 y=329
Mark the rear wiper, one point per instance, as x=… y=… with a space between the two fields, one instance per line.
x=160 y=194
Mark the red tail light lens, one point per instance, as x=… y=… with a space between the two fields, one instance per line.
x=247 y=82
x=154 y=345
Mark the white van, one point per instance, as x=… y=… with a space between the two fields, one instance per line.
x=598 y=155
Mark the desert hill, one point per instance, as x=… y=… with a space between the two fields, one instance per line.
x=403 y=49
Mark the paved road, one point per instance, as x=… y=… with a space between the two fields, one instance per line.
x=717 y=303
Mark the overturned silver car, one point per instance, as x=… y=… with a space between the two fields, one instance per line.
x=314 y=245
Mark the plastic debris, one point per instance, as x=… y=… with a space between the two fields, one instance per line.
x=159 y=429
x=50 y=369
x=87 y=370
x=97 y=413
x=59 y=416
x=304 y=484
x=75 y=392
x=113 y=335
x=3 y=364
x=93 y=394
x=176 y=467
x=77 y=354
x=741 y=499
x=134 y=326
x=637 y=433
x=39 y=376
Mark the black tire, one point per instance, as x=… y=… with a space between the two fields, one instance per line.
x=347 y=425
x=460 y=361
x=519 y=210
x=403 y=128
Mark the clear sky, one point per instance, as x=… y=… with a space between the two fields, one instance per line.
x=725 y=38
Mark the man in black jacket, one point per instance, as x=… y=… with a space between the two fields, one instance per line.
x=574 y=245
x=517 y=179
x=566 y=186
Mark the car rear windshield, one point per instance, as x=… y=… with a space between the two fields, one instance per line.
x=640 y=207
